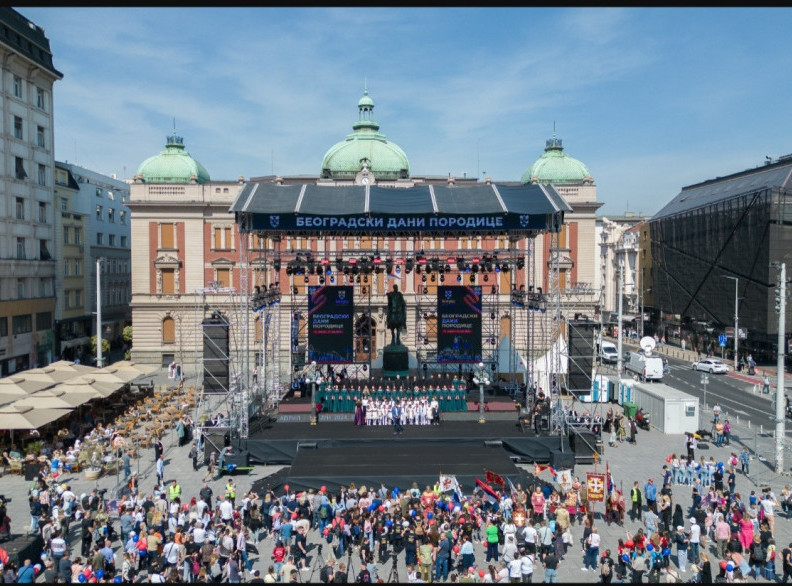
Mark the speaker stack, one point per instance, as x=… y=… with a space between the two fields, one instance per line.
x=581 y=355
x=215 y=353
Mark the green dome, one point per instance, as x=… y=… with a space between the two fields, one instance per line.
x=172 y=165
x=365 y=147
x=555 y=166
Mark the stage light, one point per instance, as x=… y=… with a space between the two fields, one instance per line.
x=425 y=315
x=332 y=279
x=306 y=279
x=418 y=270
x=339 y=263
x=321 y=280
x=492 y=315
x=358 y=279
x=425 y=290
x=423 y=278
x=459 y=278
x=364 y=290
x=472 y=279
x=408 y=266
x=294 y=290
x=494 y=290
x=329 y=271
x=520 y=264
x=365 y=278
x=486 y=277
x=433 y=278
x=505 y=267
x=435 y=264
x=497 y=267
x=398 y=270
x=389 y=266
x=276 y=265
x=442 y=278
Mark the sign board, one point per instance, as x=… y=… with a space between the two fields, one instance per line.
x=459 y=324
x=743 y=333
x=722 y=340
x=330 y=330
x=595 y=485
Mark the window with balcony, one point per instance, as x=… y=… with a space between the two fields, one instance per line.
x=18 y=127
x=40 y=136
x=111 y=215
x=20 y=208
x=78 y=236
x=42 y=174
x=19 y=168
x=22 y=324
x=99 y=213
x=42 y=212
x=17 y=86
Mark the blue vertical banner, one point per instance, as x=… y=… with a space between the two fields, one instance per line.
x=330 y=328
x=458 y=324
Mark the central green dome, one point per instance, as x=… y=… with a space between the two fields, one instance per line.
x=173 y=165
x=555 y=166
x=365 y=147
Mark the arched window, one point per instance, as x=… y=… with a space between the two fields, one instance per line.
x=168 y=331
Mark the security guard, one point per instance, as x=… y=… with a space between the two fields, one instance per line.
x=230 y=492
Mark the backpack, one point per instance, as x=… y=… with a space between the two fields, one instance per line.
x=324 y=575
x=323 y=512
x=501 y=536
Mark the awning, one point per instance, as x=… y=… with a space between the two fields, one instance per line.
x=487 y=208
x=74 y=342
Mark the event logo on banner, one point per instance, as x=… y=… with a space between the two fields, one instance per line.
x=595 y=484
x=330 y=330
x=459 y=324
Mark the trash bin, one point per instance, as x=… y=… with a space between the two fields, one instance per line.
x=630 y=409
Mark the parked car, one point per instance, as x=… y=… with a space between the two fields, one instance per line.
x=711 y=365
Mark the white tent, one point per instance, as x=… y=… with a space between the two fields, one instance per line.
x=542 y=365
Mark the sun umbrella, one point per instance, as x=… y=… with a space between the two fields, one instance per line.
x=14 y=383
x=128 y=365
x=48 y=373
x=113 y=374
x=54 y=399
x=13 y=417
x=72 y=367
x=84 y=386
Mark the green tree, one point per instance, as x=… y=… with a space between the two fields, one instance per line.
x=105 y=348
x=126 y=334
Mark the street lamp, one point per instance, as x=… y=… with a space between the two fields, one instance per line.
x=481 y=378
x=99 y=312
x=704 y=383
x=312 y=380
x=649 y=290
x=736 y=319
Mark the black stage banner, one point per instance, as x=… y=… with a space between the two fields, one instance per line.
x=330 y=325
x=459 y=324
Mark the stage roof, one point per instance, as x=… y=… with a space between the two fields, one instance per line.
x=358 y=209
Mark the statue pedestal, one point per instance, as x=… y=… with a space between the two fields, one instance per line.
x=395 y=361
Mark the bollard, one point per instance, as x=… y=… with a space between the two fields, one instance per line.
x=738 y=420
x=761 y=428
x=749 y=424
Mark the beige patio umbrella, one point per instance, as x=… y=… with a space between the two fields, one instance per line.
x=85 y=386
x=129 y=365
x=72 y=367
x=113 y=374
x=14 y=417
x=16 y=383
x=54 y=399
x=48 y=373
x=106 y=387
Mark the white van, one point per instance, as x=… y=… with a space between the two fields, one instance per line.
x=646 y=367
x=608 y=352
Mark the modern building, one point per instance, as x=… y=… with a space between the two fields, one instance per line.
x=717 y=240
x=186 y=256
x=93 y=223
x=27 y=169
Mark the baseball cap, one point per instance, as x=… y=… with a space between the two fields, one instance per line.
x=680 y=528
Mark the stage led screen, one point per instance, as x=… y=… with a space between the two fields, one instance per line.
x=458 y=324
x=330 y=334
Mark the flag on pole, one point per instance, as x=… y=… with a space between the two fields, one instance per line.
x=489 y=492
x=493 y=478
x=512 y=488
x=448 y=483
x=608 y=477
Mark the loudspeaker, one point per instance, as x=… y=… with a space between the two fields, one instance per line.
x=581 y=355
x=583 y=444
x=215 y=353
x=562 y=460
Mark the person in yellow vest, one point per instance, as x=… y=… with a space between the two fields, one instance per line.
x=230 y=492
x=174 y=491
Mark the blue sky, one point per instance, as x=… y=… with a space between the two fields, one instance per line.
x=650 y=99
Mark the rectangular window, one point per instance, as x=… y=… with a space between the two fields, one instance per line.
x=40 y=98
x=167 y=236
x=67 y=299
x=98 y=192
x=20 y=208
x=20 y=248
x=42 y=174
x=40 y=136
x=78 y=235
x=78 y=268
x=43 y=288
x=100 y=238
x=218 y=238
x=44 y=251
x=78 y=298
x=18 y=127
x=124 y=243
x=22 y=324
x=66 y=232
x=122 y=217
x=42 y=212
x=111 y=215
x=228 y=242
x=20 y=288
x=3 y=327
x=110 y=195
x=67 y=268
x=17 y=86
x=223 y=277
x=99 y=213
x=19 y=168
x=168 y=281
x=43 y=321
x=64 y=204
x=111 y=239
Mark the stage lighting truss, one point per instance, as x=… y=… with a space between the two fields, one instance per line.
x=533 y=300
x=263 y=298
